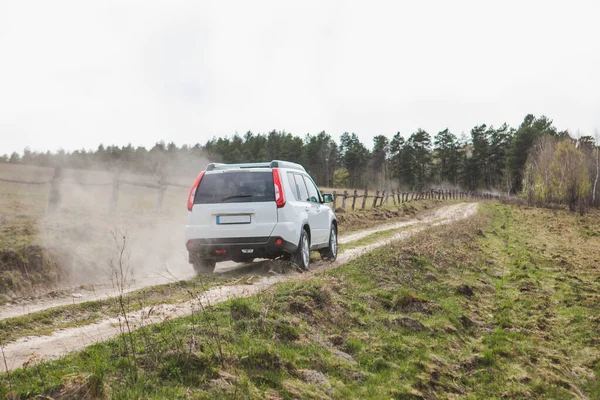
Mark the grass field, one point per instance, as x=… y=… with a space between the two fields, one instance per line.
x=504 y=305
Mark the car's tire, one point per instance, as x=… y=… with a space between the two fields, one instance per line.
x=204 y=266
x=243 y=259
x=330 y=253
x=302 y=256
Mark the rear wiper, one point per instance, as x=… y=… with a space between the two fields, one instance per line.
x=237 y=196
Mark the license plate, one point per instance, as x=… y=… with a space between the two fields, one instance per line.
x=232 y=219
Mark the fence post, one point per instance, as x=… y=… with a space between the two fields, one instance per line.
x=334 y=199
x=365 y=199
x=114 y=198
x=161 y=193
x=354 y=199
x=375 y=199
x=344 y=199
x=54 y=195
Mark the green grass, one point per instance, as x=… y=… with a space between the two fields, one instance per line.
x=503 y=305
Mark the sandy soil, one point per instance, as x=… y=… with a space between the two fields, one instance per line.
x=35 y=349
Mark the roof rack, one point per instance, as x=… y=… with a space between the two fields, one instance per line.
x=272 y=164
x=286 y=164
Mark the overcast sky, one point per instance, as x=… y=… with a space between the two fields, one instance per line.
x=79 y=73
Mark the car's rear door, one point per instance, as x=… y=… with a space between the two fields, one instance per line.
x=235 y=204
x=307 y=194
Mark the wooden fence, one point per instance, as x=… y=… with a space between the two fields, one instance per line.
x=344 y=200
x=381 y=198
x=57 y=182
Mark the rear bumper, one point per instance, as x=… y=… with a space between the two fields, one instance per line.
x=223 y=249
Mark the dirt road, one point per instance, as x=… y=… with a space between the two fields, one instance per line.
x=34 y=349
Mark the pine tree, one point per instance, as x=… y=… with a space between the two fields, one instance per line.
x=420 y=145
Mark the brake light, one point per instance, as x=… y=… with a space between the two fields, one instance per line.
x=279 y=197
x=192 y=196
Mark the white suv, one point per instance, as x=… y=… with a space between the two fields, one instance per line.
x=241 y=212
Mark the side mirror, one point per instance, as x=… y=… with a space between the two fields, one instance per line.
x=327 y=198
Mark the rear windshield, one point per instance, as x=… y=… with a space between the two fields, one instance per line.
x=236 y=187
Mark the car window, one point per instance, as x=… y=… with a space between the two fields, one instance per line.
x=301 y=188
x=313 y=192
x=293 y=185
x=236 y=187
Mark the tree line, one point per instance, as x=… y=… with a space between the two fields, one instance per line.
x=489 y=158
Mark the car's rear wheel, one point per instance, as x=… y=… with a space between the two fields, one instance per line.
x=302 y=256
x=330 y=253
x=204 y=266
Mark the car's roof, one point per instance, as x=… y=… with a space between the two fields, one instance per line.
x=269 y=165
x=232 y=170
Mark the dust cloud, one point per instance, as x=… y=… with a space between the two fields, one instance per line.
x=86 y=231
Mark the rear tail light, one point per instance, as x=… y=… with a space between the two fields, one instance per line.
x=279 y=197
x=192 y=196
